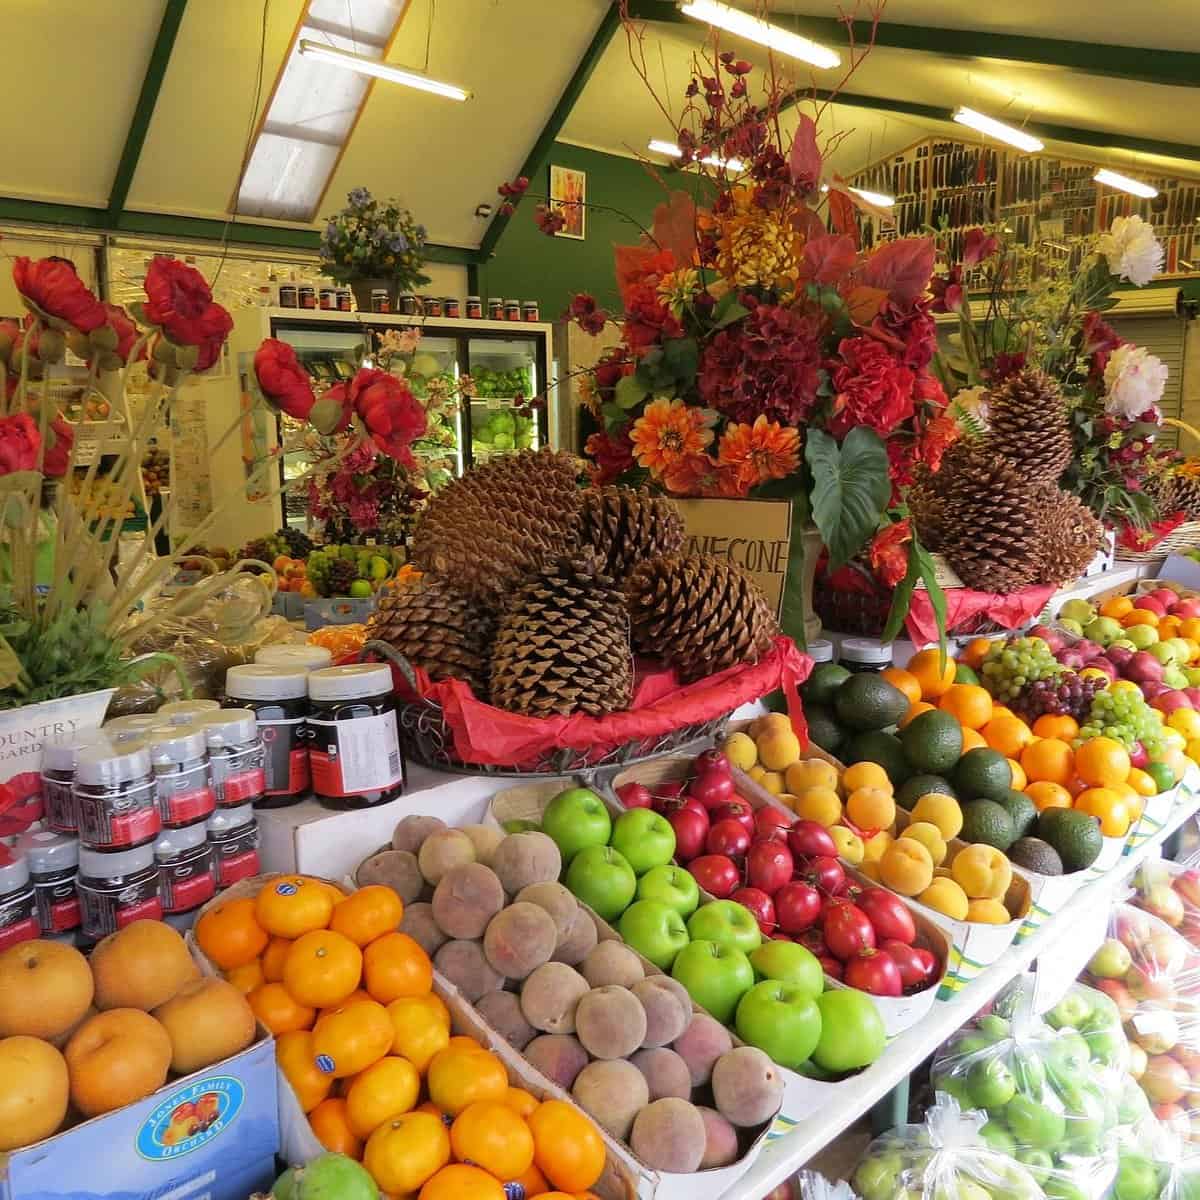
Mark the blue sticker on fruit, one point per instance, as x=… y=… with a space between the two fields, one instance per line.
x=286 y=889
x=190 y=1118
x=325 y=1064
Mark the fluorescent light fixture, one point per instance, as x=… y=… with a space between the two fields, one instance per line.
x=744 y=25
x=1123 y=183
x=366 y=66
x=998 y=130
x=876 y=198
x=673 y=151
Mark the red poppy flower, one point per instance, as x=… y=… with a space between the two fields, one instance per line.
x=52 y=287
x=19 y=442
x=390 y=412
x=180 y=301
x=284 y=382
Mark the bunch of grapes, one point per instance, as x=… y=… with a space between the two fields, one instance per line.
x=1067 y=694
x=1010 y=666
x=1124 y=715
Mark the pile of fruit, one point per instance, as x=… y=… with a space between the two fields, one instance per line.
x=102 y=499
x=503 y=430
x=218 y=554
x=350 y=1000
x=283 y=543
x=505 y=385
x=1171 y=892
x=357 y=571
x=156 y=471
x=84 y=1036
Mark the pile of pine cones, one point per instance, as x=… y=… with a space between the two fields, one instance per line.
x=994 y=509
x=538 y=593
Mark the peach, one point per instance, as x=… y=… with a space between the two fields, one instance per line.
x=906 y=867
x=930 y=836
x=941 y=810
x=983 y=872
x=946 y=897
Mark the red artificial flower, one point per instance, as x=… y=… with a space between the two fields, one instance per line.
x=52 y=287
x=871 y=388
x=648 y=322
x=610 y=370
x=978 y=246
x=127 y=332
x=390 y=412
x=591 y=317
x=949 y=295
x=700 y=475
x=10 y=336
x=889 y=553
x=19 y=442
x=284 y=382
x=1099 y=340
x=179 y=300
x=58 y=456
x=611 y=453
x=939 y=435
x=1004 y=365
x=908 y=331
x=550 y=220
x=901 y=457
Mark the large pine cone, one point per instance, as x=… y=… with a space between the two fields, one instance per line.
x=1071 y=536
x=437 y=628
x=1177 y=493
x=700 y=614
x=1027 y=425
x=623 y=527
x=499 y=523
x=563 y=644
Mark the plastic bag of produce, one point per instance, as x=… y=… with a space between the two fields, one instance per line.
x=946 y=1158
x=816 y=1187
x=1046 y=1103
x=1171 y=892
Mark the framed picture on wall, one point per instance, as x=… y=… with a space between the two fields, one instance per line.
x=568 y=194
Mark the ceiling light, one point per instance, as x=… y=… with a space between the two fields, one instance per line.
x=765 y=34
x=673 y=151
x=876 y=198
x=998 y=130
x=367 y=66
x=1123 y=183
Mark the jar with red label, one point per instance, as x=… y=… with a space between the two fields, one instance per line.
x=353 y=743
x=327 y=299
x=182 y=784
x=53 y=860
x=180 y=712
x=115 y=797
x=18 y=913
x=187 y=877
x=451 y=307
x=58 y=777
x=530 y=310
x=512 y=310
x=308 y=296
x=233 y=835
x=278 y=697
x=235 y=756
x=295 y=654
x=495 y=310
x=116 y=889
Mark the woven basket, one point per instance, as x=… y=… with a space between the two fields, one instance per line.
x=1182 y=537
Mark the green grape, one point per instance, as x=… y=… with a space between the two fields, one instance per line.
x=1012 y=666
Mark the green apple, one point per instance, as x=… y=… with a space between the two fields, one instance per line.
x=781 y=1019
x=877 y=1178
x=1182 y=649
x=1164 y=652
x=1034 y=1124
x=1173 y=676
x=1078 y=610
x=727 y=923
x=645 y=838
x=852 y=1032
x=672 y=885
x=789 y=962
x=1103 y=630
x=1072 y=627
x=1123 y=642
x=716 y=977
x=576 y=819
x=655 y=930
x=1038 y=1162
x=1058 y=1188
x=996 y=1134
x=1142 y=636
x=1029 y=1071
x=1111 y=961
x=1192 y=674
x=990 y=1083
x=1073 y=1009
x=1136 y=1179
x=601 y=878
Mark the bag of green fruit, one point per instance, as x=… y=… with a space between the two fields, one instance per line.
x=1141 y=1177
x=1046 y=1104
x=817 y=1187
x=946 y=1158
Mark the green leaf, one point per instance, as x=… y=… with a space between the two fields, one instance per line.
x=727 y=310
x=629 y=392
x=791 y=619
x=902 y=597
x=851 y=488
x=681 y=356
x=12 y=674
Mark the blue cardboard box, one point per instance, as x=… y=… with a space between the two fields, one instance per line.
x=337 y=610
x=288 y=604
x=211 y=1135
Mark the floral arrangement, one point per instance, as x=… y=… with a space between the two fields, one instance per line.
x=373 y=239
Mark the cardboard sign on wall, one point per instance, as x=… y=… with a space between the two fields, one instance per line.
x=753 y=534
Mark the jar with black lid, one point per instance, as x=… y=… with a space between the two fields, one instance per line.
x=289 y=296
x=233 y=835
x=308 y=296
x=354 y=746
x=186 y=876
x=451 y=307
x=117 y=889
x=18 y=913
x=115 y=797
x=235 y=755
x=295 y=654
x=327 y=299
x=58 y=777
x=495 y=310
x=474 y=308
x=182 y=783
x=865 y=655
x=53 y=860
x=278 y=697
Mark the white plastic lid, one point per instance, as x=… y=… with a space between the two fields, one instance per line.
x=109 y=765
x=233 y=817
x=287 y=654
x=183 y=745
x=820 y=651
x=14 y=871
x=106 y=864
x=132 y=726
x=230 y=727
x=187 y=837
x=867 y=650
x=60 y=755
x=45 y=851
x=179 y=711
x=352 y=682
x=266 y=681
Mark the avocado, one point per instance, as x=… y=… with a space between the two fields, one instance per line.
x=932 y=742
x=982 y=774
x=1075 y=836
x=821 y=686
x=1021 y=809
x=1032 y=854
x=913 y=789
x=882 y=748
x=987 y=822
x=823 y=730
x=867 y=702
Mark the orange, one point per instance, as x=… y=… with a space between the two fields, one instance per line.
x=294 y=1054
x=1135 y=805
x=914 y=711
x=1102 y=761
x=322 y=968
x=354 y=997
x=969 y=704
x=567 y=1147
x=421 y=1029
x=934 y=677
x=1140 y=616
x=394 y=966
x=1116 y=607
x=904 y=681
x=975 y=652
x=534 y=1183
x=1142 y=782
x=1107 y=804
x=1048 y=795
x=1008 y=734
x=230 y=935
x=972 y=739
x=521 y=1101
x=367 y=914
x=406 y=1151
x=462 y=1042
x=1019 y=778
x=1168 y=627
x=293 y=905
x=1048 y=761
x=276 y=1008
x=351 y=1038
x=459 y=1076
x=386 y=1089
x=1189 y=628
x=1064 y=727
x=459 y=1182
x=493 y=1136
x=273 y=959
x=247 y=977
x=328 y=1121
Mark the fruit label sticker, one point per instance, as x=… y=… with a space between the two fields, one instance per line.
x=349 y=757
x=190 y=1118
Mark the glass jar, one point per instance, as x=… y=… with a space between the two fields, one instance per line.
x=137 y=725
x=278 y=697
x=182 y=712
x=512 y=310
x=474 y=308
x=433 y=305
x=289 y=297
x=495 y=310
x=233 y=835
x=409 y=305
x=115 y=797
x=865 y=655
x=327 y=299
x=381 y=302
x=117 y=889
x=186 y=875
x=820 y=651
x=182 y=784
x=354 y=746
x=235 y=756
x=58 y=777
x=53 y=860
x=288 y=654
x=345 y=300
x=530 y=310
x=18 y=913
x=308 y=296
x=451 y=307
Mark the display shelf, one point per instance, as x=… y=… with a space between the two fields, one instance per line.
x=1096 y=585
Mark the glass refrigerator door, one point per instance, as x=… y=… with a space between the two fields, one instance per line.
x=504 y=369
x=434 y=373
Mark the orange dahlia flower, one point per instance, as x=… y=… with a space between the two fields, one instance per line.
x=762 y=451
x=667 y=431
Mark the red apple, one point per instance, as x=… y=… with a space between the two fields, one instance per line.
x=1165 y=1080
x=1138 y=756
x=1100 y=663
x=712 y=790
x=1189 y=606
x=797 y=907
x=830 y=966
x=889 y=915
x=635 y=795
x=716 y=874
x=691 y=830
x=663 y=793
x=770 y=821
x=875 y=972
x=1172 y=1117
x=735 y=810
x=1164 y=595
x=760 y=904
x=809 y=839
x=1166 y=950
x=916 y=964
x=1147 y=984
x=812 y=940
x=825 y=874
x=769 y=865
x=1119 y=994
x=1170 y=701
x=1165 y=903
x=729 y=837
x=1187 y=884
x=847 y=931
x=1050 y=636
x=1119 y=656
x=1151 y=603
x=712 y=761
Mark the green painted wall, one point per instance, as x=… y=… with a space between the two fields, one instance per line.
x=528 y=265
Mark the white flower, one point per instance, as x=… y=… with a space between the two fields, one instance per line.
x=1132 y=250
x=1135 y=380
x=972 y=401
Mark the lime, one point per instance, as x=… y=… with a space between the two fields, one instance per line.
x=964 y=674
x=360 y=589
x=1163 y=776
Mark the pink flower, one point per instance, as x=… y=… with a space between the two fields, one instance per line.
x=871 y=388
x=948 y=292
x=19 y=442
x=389 y=411
x=180 y=301
x=978 y=246
x=611 y=453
